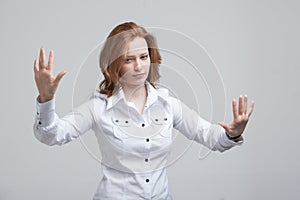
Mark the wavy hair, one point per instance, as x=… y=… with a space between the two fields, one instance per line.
x=113 y=52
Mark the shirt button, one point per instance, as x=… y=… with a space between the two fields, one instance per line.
x=143 y=124
x=37 y=113
x=146 y=159
x=147 y=140
x=40 y=122
x=147 y=180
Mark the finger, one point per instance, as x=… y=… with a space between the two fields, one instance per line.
x=42 y=59
x=245 y=118
x=234 y=109
x=59 y=77
x=35 y=67
x=50 y=60
x=250 y=109
x=245 y=103
x=241 y=105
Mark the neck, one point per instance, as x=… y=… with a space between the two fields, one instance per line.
x=134 y=92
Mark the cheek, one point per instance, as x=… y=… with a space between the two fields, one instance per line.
x=124 y=69
x=148 y=65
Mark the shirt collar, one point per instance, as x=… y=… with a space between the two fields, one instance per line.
x=117 y=96
x=153 y=95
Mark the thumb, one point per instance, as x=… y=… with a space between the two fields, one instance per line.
x=225 y=126
x=59 y=77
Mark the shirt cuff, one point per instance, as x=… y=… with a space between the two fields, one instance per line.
x=45 y=112
x=229 y=142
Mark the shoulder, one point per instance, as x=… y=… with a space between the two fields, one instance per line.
x=96 y=99
x=165 y=94
x=97 y=95
x=162 y=92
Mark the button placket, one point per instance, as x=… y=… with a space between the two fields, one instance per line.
x=147 y=163
x=147 y=142
x=146 y=159
x=148 y=188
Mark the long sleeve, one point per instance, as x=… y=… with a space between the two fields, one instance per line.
x=51 y=130
x=192 y=126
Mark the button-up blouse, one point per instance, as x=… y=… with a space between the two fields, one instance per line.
x=134 y=146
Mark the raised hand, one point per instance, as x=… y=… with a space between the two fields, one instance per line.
x=44 y=80
x=240 y=117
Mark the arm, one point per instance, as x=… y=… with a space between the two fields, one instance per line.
x=52 y=130
x=48 y=127
x=191 y=125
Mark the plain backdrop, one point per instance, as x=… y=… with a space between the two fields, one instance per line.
x=254 y=44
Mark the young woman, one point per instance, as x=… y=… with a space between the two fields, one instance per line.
x=132 y=118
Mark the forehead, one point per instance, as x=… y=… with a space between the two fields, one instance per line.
x=136 y=46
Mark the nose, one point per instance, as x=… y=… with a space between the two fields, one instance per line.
x=137 y=66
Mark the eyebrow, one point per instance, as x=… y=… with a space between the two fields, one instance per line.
x=146 y=52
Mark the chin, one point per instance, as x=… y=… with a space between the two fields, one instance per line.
x=138 y=82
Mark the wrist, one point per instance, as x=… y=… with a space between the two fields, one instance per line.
x=43 y=99
x=232 y=137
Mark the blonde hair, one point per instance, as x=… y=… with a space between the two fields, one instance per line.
x=113 y=52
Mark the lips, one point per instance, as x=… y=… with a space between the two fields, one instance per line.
x=139 y=75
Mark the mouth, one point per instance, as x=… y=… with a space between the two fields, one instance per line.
x=139 y=75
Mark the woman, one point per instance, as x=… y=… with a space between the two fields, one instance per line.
x=132 y=118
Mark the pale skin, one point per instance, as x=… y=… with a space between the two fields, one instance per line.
x=241 y=116
x=134 y=73
x=45 y=82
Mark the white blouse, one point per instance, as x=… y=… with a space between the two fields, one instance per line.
x=134 y=147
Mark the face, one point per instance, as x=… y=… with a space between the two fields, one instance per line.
x=135 y=69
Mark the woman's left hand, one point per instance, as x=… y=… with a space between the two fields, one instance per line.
x=240 y=117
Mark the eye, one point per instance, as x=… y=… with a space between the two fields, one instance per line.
x=144 y=57
x=129 y=60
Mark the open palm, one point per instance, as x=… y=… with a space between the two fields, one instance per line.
x=45 y=82
x=240 y=117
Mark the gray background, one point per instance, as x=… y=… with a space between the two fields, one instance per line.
x=255 y=45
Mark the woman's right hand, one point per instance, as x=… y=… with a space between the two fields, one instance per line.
x=45 y=82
